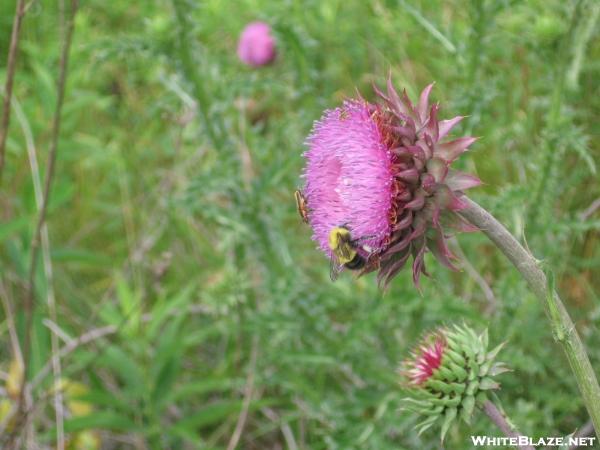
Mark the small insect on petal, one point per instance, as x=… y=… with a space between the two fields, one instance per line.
x=301 y=205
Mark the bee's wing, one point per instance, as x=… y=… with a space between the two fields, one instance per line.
x=334 y=268
x=346 y=251
x=357 y=241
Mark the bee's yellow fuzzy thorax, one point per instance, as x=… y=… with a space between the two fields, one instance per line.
x=340 y=243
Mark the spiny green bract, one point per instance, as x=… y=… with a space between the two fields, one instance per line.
x=460 y=382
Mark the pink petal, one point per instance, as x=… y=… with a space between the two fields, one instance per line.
x=459 y=181
x=412 y=111
x=418 y=265
x=416 y=203
x=404 y=222
x=410 y=176
x=455 y=222
x=447 y=125
x=438 y=168
x=404 y=106
x=448 y=200
x=380 y=93
x=432 y=123
x=441 y=251
x=401 y=245
x=424 y=102
x=452 y=150
x=428 y=183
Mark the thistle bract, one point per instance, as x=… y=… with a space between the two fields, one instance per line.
x=447 y=374
x=383 y=172
x=256 y=46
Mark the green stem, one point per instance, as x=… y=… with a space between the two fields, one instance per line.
x=190 y=70
x=502 y=422
x=547 y=187
x=562 y=326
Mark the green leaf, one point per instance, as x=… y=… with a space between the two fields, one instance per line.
x=209 y=385
x=162 y=310
x=100 y=420
x=456 y=358
x=485 y=339
x=103 y=398
x=215 y=413
x=446 y=373
x=498 y=368
x=487 y=384
x=468 y=404
x=7 y=229
x=461 y=374
x=449 y=416
x=310 y=359
x=167 y=361
x=472 y=388
x=426 y=424
x=439 y=386
x=125 y=366
x=79 y=256
x=492 y=355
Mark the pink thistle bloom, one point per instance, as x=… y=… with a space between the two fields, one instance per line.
x=256 y=46
x=382 y=171
x=348 y=176
x=425 y=359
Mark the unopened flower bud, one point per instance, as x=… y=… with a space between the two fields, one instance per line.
x=256 y=46
x=448 y=373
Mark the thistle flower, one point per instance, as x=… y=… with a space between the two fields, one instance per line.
x=256 y=46
x=426 y=359
x=383 y=172
x=448 y=373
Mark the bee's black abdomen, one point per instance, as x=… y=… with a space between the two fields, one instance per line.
x=358 y=262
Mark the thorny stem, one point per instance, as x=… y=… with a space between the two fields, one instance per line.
x=35 y=243
x=190 y=70
x=10 y=76
x=501 y=422
x=585 y=431
x=562 y=326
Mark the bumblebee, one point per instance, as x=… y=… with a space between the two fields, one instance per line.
x=344 y=253
x=301 y=205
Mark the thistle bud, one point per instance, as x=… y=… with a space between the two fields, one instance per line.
x=256 y=46
x=448 y=374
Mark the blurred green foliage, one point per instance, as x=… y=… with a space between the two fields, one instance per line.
x=191 y=251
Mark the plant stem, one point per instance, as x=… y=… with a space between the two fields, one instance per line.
x=190 y=70
x=585 y=431
x=563 y=328
x=499 y=419
x=29 y=300
x=10 y=76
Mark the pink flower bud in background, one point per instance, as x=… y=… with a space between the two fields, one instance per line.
x=256 y=46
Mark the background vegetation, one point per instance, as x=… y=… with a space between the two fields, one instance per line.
x=193 y=307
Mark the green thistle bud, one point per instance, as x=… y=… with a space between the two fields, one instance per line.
x=448 y=374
